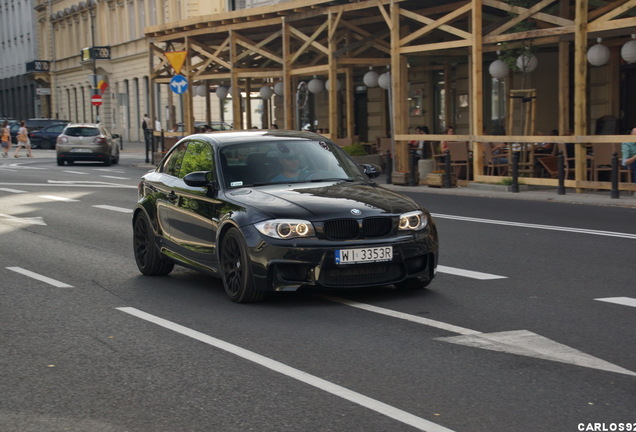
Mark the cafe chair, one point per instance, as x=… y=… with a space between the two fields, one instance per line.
x=460 y=159
x=494 y=164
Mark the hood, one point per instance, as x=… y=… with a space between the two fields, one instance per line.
x=326 y=199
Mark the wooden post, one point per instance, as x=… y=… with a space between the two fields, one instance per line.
x=398 y=89
x=237 y=114
x=477 y=86
x=288 y=102
x=564 y=76
x=333 y=76
x=248 y=103
x=349 y=102
x=188 y=121
x=580 y=88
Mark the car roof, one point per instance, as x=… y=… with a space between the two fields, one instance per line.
x=223 y=138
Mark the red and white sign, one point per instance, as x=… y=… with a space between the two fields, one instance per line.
x=96 y=100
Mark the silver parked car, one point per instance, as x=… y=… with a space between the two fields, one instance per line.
x=87 y=142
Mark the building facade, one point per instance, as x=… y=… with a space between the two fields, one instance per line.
x=18 y=94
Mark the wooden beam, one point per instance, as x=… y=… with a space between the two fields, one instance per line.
x=580 y=86
x=440 y=23
x=477 y=84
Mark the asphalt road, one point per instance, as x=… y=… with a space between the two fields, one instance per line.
x=529 y=325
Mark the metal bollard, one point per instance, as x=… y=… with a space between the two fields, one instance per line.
x=447 y=170
x=412 y=168
x=515 y=172
x=389 y=167
x=561 y=173
x=615 y=192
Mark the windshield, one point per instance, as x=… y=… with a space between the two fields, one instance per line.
x=264 y=163
x=81 y=131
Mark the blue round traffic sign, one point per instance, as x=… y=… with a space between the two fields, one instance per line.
x=178 y=84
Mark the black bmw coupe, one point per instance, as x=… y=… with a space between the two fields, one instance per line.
x=277 y=211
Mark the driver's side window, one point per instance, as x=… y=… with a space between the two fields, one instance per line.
x=197 y=157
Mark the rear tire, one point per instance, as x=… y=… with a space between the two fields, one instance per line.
x=147 y=256
x=237 y=271
x=60 y=162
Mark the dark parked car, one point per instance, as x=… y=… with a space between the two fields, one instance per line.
x=46 y=137
x=278 y=211
x=33 y=125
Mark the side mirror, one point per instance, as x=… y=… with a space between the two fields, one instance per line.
x=115 y=136
x=202 y=179
x=371 y=170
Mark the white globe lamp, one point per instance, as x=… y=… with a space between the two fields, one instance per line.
x=200 y=90
x=221 y=92
x=384 y=81
x=628 y=51
x=315 y=86
x=328 y=85
x=527 y=62
x=266 y=92
x=498 y=69
x=279 y=88
x=370 y=79
x=598 y=54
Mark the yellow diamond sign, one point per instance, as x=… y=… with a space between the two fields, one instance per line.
x=176 y=59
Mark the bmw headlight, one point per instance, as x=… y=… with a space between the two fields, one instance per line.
x=415 y=221
x=286 y=228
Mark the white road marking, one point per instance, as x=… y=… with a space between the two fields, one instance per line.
x=58 y=198
x=403 y=316
x=39 y=277
x=276 y=366
x=79 y=184
x=521 y=342
x=113 y=208
x=12 y=190
x=116 y=178
x=537 y=226
x=29 y=221
x=111 y=170
x=625 y=301
x=75 y=172
x=468 y=273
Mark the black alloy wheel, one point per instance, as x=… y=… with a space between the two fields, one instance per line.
x=147 y=255
x=237 y=273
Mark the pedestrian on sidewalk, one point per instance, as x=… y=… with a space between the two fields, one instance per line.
x=628 y=150
x=146 y=126
x=23 y=140
x=5 y=134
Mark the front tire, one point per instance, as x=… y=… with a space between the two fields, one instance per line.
x=237 y=272
x=147 y=256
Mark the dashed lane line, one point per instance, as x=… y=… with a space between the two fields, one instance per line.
x=537 y=226
x=468 y=273
x=16 y=191
x=39 y=277
x=276 y=366
x=113 y=208
x=57 y=198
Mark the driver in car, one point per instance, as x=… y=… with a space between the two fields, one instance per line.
x=290 y=169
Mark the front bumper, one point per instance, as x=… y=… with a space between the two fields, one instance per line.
x=281 y=266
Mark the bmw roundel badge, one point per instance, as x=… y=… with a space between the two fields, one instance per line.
x=356 y=212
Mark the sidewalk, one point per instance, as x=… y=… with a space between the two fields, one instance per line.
x=598 y=198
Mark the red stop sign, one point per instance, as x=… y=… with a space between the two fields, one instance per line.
x=96 y=100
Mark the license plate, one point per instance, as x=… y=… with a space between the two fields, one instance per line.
x=364 y=255
x=81 y=150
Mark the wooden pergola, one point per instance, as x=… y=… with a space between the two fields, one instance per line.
x=293 y=40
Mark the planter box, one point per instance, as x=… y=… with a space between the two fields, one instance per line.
x=437 y=179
